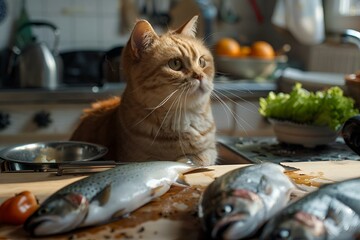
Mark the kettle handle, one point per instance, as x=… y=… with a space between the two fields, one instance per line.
x=44 y=24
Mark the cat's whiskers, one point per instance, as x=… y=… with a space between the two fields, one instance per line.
x=163 y=101
x=236 y=116
x=158 y=106
x=239 y=120
x=238 y=98
x=184 y=111
x=224 y=89
x=224 y=106
x=177 y=120
x=166 y=116
x=227 y=109
x=176 y=123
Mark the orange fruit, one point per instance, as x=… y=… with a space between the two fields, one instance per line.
x=228 y=47
x=262 y=49
x=245 y=51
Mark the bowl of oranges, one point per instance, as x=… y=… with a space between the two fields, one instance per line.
x=256 y=61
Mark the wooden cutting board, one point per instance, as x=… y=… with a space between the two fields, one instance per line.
x=172 y=216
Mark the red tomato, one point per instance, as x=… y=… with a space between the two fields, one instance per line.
x=17 y=209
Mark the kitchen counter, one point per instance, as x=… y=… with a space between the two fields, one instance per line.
x=172 y=216
x=85 y=94
x=235 y=112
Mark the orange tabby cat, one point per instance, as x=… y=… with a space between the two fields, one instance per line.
x=165 y=111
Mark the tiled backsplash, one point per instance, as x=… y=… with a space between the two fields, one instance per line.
x=96 y=24
x=83 y=24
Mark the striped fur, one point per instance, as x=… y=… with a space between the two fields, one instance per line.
x=165 y=113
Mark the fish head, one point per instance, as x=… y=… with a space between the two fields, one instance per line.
x=301 y=225
x=233 y=215
x=58 y=214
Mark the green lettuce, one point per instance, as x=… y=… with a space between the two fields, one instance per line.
x=322 y=108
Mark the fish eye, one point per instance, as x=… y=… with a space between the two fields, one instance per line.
x=283 y=233
x=225 y=209
x=202 y=62
x=43 y=211
x=175 y=64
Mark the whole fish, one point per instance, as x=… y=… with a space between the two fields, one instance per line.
x=331 y=212
x=237 y=204
x=105 y=196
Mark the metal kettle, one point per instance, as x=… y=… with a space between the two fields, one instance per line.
x=38 y=66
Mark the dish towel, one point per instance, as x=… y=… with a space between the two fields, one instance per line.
x=303 y=18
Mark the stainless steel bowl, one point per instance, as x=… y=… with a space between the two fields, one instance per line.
x=45 y=155
x=248 y=68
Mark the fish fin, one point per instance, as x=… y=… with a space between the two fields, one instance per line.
x=199 y=170
x=265 y=186
x=119 y=213
x=76 y=199
x=289 y=168
x=180 y=181
x=103 y=196
x=158 y=191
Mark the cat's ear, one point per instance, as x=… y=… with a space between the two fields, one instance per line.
x=189 y=28
x=142 y=37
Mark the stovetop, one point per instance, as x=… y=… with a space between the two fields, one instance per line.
x=268 y=149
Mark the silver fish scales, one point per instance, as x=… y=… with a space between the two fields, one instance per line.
x=105 y=196
x=237 y=204
x=332 y=212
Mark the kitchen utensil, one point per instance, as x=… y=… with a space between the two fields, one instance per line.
x=39 y=66
x=47 y=155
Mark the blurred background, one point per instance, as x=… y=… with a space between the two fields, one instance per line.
x=56 y=57
x=311 y=28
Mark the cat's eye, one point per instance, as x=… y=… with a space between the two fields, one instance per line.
x=202 y=62
x=175 y=64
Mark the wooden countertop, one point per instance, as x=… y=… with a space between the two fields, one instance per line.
x=172 y=216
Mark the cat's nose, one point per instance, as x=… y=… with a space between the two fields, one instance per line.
x=197 y=76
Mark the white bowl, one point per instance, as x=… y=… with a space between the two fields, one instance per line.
x=308 y=136
x=247 y=67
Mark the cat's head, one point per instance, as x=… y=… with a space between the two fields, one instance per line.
x=173 y=67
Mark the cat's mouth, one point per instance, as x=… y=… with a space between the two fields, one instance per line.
x=200 y=86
